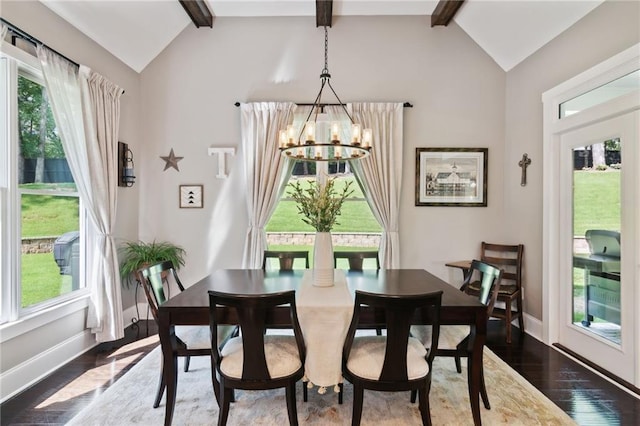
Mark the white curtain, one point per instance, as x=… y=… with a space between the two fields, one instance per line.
x=266 y=170
x=380 y=174
x=86 y=107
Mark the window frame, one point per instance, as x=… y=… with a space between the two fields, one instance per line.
x=15 y=62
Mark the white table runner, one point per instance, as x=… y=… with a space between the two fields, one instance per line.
x=324 y=314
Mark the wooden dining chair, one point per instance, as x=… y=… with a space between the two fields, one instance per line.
x=397 y=361
x=192 y=340
x=255 y=360
x=286 y=258
x=450 y=344
x=356 y=259
x=509 y=258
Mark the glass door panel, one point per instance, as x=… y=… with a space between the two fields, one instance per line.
x=596 y=243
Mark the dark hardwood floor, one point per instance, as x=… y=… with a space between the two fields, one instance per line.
x=586 y=397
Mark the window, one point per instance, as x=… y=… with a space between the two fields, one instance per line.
x=357 y=228
x=41 y=213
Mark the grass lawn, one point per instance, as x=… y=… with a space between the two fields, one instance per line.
x=41 y=279
x=48 y=215
x=596 y=200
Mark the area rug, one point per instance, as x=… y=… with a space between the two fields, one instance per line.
x=514 y=401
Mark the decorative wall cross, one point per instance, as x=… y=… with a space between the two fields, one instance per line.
x=523 y=164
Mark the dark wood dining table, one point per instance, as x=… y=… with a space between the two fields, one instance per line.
x=191 y=307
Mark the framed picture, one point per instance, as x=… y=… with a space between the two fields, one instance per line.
x=451 y=177
x=190 y=196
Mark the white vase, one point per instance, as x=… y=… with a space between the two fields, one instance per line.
x=323 y=260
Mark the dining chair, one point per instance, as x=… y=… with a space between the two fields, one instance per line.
x=509 y=258
x=286 y=258
x=191 y=340
x=397 y=361
x=449 y=344
x=356 y=259
x=255 y=360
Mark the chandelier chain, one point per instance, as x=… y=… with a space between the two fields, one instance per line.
x=326 y=52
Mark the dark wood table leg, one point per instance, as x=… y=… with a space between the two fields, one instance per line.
x=168 y=344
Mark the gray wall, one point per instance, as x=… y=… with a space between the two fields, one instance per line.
x=609 y=29
x=189 y=90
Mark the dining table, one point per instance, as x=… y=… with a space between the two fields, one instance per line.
x=191 y=307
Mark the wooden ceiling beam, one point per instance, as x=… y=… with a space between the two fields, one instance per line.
x=324 y=12
x=199 y=12
x=445 y=11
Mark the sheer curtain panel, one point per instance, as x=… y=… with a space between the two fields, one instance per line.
x=86 y=108
x=380 y=174
x=266 y=170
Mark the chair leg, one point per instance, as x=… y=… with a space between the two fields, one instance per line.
x=508 y=319
x=340 y=393
x=187 y=361
x=414 y=394
x=290 y=393
x=458 y=364
x=305 y=391
x=425 y=410
x=161 y=386
x=225 y=400
x=216 y=385
x=483 y=390
x=378 y=332
x=521 y=313
x=358 y=395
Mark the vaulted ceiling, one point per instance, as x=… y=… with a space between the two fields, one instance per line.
x=508 y=30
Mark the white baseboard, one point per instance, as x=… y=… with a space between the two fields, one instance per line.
x=34 y=369
x=533 y=327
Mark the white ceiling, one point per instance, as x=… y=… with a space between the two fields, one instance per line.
x=508 y=30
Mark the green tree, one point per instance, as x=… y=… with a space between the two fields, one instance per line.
x=38 y=136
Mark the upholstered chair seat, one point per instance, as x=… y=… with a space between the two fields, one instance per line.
x=281 y=353
x=367 y=357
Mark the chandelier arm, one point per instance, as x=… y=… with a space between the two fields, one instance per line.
x=344 y=107
x=314 y=106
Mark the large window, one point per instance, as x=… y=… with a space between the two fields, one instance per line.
x=41 y=236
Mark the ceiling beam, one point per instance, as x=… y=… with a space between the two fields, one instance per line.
x=324 y=12
x=199 y=12
x=445 y=11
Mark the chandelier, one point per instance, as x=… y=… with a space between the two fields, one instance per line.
x=306 y=148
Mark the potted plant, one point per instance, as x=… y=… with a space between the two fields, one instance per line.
x=320 y=205
x=138 y=254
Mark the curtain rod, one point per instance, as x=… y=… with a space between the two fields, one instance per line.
x=406 y=104
x=29 y=38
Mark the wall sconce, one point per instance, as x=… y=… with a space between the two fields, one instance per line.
x=125 y=165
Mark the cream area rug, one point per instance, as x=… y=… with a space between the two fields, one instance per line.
x=514 y=401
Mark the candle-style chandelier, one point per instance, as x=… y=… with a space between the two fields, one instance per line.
x=306 y=148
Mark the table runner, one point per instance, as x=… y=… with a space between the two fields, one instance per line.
x=324 y=314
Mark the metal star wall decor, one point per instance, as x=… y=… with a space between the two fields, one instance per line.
x=171 y=161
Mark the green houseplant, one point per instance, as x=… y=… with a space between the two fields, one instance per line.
x=139 y=254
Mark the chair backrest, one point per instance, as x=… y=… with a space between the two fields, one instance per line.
x=154 y=279
x=603 y=242
x=509 y=258
x=490 y=279
x=254 y=313
x=356 y=258
x=399 y=314
x=286 y=258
